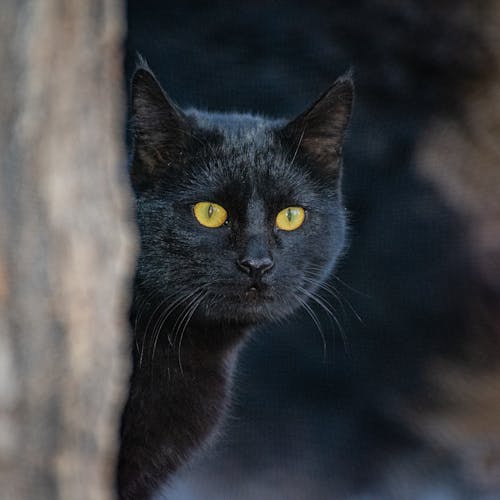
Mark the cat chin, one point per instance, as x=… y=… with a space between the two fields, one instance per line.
x=247 y=315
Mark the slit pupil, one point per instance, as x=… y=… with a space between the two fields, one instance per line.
x=210 y=211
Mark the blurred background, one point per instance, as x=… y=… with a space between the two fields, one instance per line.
x=403 y=401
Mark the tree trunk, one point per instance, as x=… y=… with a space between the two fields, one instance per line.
x=65 y=247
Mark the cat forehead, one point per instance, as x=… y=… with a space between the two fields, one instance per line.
x=235 y=126
x=240 y=135
x=244 y=177
x=245 y=147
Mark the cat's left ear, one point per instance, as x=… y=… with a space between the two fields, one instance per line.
x=317 y=135
x=160 y=128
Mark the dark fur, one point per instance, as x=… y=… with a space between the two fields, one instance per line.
x=193 y=305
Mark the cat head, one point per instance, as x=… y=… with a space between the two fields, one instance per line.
x=240 y=216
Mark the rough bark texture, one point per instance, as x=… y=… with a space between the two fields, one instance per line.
x=65 y=247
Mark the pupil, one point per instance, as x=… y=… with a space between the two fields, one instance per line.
x=289 y=215
x=210 y=211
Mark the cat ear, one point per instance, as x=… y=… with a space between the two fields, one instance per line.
x=160 y=129
x=318 y=133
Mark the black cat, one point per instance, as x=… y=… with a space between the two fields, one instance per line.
x=241 y=219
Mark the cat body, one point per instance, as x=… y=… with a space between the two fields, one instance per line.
x=241 y=220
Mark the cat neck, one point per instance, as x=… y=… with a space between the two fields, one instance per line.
x=178 y=395
x=195 y=342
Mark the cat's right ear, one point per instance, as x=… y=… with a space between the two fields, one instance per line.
x=160 y=129
x=317 y=135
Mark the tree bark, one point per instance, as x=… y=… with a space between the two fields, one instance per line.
x=66 y=248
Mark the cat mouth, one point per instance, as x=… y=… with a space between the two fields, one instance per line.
x=248 y=304
x=249 y=296
x=252 y=296
x=258 y=292
x=255 y=294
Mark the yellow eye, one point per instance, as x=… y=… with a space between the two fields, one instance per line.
x=290 y=218
x=210 y=214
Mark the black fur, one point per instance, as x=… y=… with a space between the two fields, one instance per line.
x=193 y=304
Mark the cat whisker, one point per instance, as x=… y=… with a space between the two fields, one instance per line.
x=315 y=320
x=159 y=318
x=140 y=309
x=186 y=321
x=148 y=324
x=349 y=287
x=318 y=300
x=165 y=315
x=323 y=287
x=335 y=293
x=169 y=310
x=334 y=276
x=298 y=146
x=180 y=318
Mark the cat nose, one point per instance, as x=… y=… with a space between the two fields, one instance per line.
x=255 y=267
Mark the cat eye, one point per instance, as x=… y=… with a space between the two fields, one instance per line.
x=210 y=214
x=290 y=218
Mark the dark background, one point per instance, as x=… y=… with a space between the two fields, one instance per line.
x=310 y=422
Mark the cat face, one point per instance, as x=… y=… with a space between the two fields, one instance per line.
x=240 y=217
